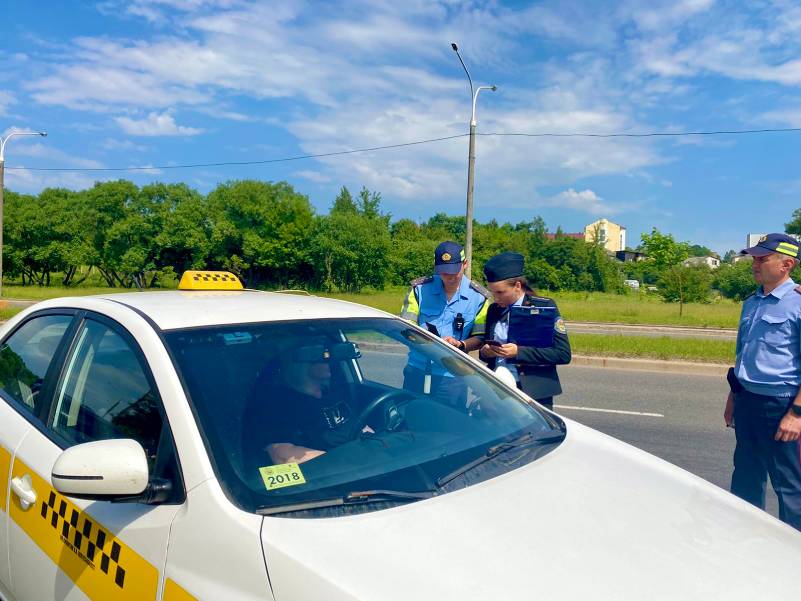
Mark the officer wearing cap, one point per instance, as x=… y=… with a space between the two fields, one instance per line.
x=533 y=368
x=764 y=405
x=452 y=306
x=448 y=303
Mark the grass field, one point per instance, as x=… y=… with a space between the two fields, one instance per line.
x=662 y=347
x=595 y=306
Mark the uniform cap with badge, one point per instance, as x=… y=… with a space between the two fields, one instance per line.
x=448 y=258
x=773 y=243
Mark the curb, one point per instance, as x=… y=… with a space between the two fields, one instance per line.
x=676 y=367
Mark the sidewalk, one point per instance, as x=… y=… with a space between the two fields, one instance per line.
x=679 y=367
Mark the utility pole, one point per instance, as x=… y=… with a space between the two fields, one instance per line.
x=471 y=165
x=3 y=142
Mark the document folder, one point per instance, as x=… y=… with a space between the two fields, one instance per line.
x=532 y=326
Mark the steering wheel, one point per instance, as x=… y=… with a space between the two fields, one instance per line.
x=380 y=400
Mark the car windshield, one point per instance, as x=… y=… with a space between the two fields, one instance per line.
x=294 y=413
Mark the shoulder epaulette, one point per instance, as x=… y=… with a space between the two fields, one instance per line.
x=480 y=289
x=540 y=298
x=797 y=289
x=753 y=293
x=423 y=280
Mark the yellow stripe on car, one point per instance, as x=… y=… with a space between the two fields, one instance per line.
x=5 y=465
x=173 y=592
x=99 y=563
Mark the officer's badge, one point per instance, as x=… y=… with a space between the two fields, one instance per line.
x=763 y=238
x=446 y=256
x=559 y=326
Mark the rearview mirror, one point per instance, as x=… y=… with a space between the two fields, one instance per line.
x=101 y=470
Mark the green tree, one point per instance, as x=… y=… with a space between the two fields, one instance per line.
x=261 y=231
x=735 y=281
x=106 y=209
x=662 y=250
x=350 y=251
x=794 y=225
x=682 y=284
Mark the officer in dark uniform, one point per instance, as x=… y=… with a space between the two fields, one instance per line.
x=764 y=404
x=533 y=368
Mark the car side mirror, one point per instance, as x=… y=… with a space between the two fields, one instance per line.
x=102 y=470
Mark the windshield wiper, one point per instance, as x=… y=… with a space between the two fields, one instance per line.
x=352 y=498
x=495 y=450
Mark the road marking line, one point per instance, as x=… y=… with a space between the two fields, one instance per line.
x=643 y=413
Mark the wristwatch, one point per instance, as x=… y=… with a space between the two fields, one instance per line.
x=461 y=348
x=796 y=409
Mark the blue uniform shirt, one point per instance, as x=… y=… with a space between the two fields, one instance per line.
x=768 y=342
x=427 y=302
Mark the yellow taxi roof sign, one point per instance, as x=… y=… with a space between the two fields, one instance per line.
x=209 y=280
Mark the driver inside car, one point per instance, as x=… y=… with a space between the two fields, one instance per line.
x=297 y=416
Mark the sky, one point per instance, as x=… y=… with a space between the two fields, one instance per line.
x=163 y=83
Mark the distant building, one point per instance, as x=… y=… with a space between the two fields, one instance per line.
x=630 y=256
x=710 y=261
x=577 y=236
x=606 y=233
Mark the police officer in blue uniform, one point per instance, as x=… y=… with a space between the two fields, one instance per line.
x=532 y=367
x=764 y=405
x=450 y=305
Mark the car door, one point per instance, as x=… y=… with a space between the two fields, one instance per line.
x=67 y=548
x=26 y=356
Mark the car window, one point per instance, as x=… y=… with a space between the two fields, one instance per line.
x=26 y=356
x=105 y=393
x=383 y=359
x=301 y=411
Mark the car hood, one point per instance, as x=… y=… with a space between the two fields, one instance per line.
x=593 y=519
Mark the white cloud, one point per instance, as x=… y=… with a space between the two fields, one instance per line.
x=586 y=201
x=313 y=176
x=125 y=145
x=6 y=100
x=155 y=125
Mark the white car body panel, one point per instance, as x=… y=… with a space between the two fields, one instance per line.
x=174 y=309
x=215 y=550
x=594 y=519
x=13 y=429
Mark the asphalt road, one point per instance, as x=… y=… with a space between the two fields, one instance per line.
x=677 y=417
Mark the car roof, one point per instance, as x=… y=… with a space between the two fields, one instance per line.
x=177 y=309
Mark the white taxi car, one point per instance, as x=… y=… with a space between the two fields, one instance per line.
x=230 y=444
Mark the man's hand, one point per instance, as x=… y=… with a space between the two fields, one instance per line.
x=451 y=340
x=789 y=428
x=728 y=412
x=286 y=452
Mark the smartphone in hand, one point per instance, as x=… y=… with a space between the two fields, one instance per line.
x=493 y=343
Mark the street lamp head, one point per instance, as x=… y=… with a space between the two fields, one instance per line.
x=455 y=47
x=43 y=134
x=493 y=88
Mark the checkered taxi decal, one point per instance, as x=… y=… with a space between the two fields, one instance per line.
x=85 y=538
x=98 y=562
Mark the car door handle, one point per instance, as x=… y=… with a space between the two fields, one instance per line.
x=23 y=488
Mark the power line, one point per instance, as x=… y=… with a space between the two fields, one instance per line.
x=415 y=143
x=650 y=134
x=239 y=163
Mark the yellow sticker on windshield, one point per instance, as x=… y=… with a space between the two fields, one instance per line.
x=279 y=476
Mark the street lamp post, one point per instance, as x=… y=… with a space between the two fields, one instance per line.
x=471 y=165
x=3 y=142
